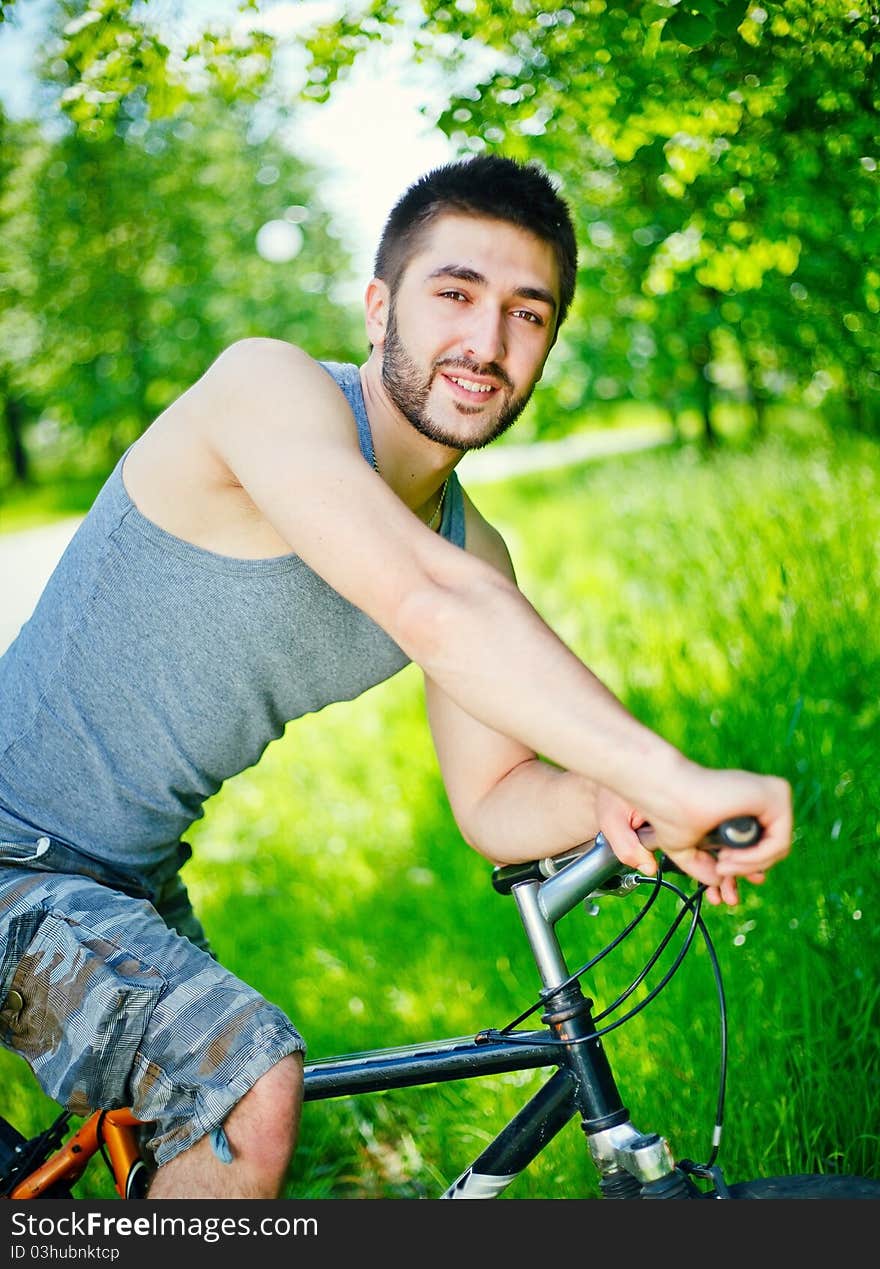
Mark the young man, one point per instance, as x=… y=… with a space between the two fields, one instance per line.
x=289 y=533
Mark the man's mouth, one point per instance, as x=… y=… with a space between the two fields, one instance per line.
x=472 y=386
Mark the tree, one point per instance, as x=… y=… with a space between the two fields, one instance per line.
x=20 y=150
x=719 y=159
x=149 y=224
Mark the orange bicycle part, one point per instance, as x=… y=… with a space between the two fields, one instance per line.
x=114 y=1129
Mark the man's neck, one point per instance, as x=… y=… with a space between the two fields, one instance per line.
x=413 y=465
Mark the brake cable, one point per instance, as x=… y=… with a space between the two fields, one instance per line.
x=692 y=903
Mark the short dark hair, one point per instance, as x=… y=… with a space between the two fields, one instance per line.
x=485 y=185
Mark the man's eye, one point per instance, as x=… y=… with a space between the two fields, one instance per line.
x=529 y=316
x=453 y=295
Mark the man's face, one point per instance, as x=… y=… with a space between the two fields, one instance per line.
x=469 y=329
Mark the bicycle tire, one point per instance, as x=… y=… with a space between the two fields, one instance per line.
x=137 y=1183
x=807 y=1186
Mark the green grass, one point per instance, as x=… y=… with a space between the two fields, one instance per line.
x=44 y=501
x=729 y=600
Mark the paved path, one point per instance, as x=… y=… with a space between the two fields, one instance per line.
x=28 y=557
x=26 y=561
x=484 y=466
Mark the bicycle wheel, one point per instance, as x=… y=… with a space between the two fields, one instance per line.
x=803 y=1187
x=137 y=1183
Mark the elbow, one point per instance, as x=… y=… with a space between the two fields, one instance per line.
x=472 y=835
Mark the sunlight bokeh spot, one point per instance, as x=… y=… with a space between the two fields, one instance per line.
x=279 y=241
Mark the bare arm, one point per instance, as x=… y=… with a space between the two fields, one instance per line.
x=508 y=803
x=282 y=427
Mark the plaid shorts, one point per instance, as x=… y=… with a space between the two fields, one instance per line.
x=111 y=1006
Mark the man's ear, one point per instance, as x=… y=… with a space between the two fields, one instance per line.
x=376 y=306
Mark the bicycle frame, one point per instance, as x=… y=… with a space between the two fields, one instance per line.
x=382 y=1070
x=630 y=1164
x=114 y=1129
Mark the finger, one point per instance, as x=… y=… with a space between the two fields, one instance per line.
x=726 y=893
x=648 y=866
x=630 y=851
x=729 y=891
x=743 y=863
x=698 y=864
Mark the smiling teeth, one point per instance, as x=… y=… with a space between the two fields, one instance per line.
x=472 y=387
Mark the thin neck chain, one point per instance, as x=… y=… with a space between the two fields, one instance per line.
x=438 y=510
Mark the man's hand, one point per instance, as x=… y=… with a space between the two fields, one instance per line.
x=705 y=797
x=620 y=822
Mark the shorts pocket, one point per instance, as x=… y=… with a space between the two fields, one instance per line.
x=19 y=933
x=75 y=1008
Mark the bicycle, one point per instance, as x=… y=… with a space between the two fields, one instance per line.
x=630 y=1163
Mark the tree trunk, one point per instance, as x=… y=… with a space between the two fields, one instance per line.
x=759 y=406
x=14 y=419
x=758 y=400
x=704 y=390
x=857 y=412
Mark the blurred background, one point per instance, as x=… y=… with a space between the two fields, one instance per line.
x=175 y=176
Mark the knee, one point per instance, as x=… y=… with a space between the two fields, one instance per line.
x=262 y=1128
x=281 y=1086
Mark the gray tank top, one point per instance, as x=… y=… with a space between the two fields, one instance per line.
x=153 y=670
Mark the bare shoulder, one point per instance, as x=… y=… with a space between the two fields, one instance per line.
x=484 y=540
x=240 y=378
x=256 y=391
x=276 y=357
x=262 y=401
x=253 y=370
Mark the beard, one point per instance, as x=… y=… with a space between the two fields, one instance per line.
x=409 y=389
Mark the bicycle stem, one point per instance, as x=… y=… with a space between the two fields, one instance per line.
x=565 y=887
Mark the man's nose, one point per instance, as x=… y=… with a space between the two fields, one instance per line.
x=484 y=336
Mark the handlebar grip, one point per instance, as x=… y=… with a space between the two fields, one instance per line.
x=740 y=832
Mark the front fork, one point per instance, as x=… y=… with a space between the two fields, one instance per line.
x=631 y=1164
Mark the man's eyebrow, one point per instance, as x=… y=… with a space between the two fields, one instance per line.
x=465 y=274
x=536 y=293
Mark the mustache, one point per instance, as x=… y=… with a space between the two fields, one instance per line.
x=475 y=367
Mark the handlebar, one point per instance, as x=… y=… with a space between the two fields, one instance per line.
x=594 y=865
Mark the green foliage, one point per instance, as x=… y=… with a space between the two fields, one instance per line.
x=721 y=163
x=720 y=159
x=132 y=217
x=695 y=24
x=105 y=57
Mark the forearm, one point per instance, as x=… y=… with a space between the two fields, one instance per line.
x=534 y=811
